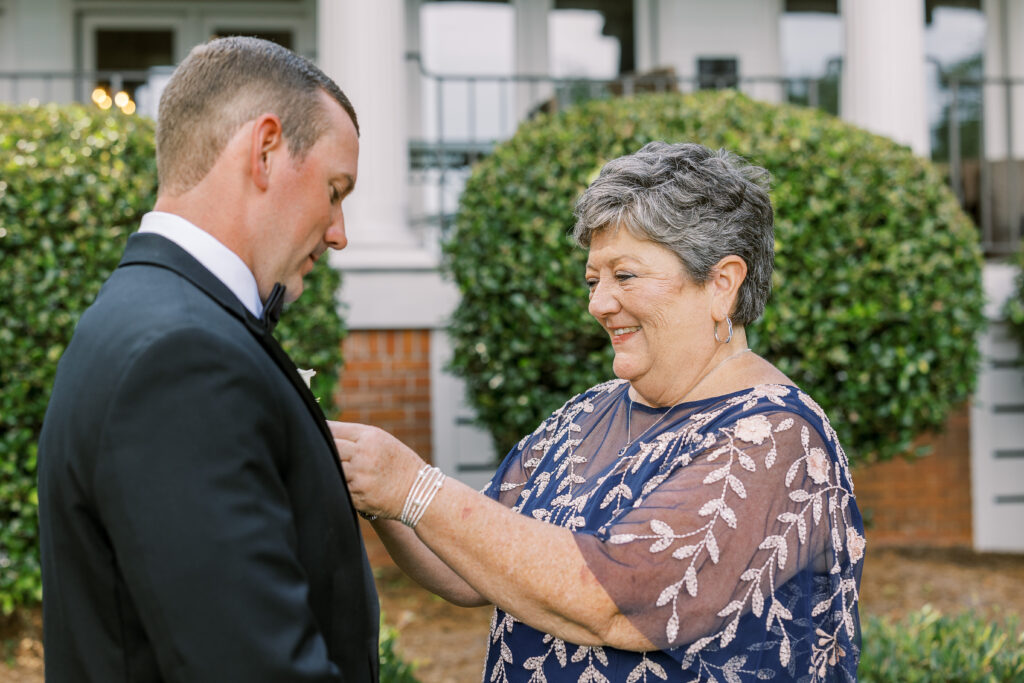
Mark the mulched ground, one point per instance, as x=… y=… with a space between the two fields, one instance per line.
x=448 y=642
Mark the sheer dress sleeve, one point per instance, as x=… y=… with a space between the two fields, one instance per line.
x=729 y=530
x=515 y=470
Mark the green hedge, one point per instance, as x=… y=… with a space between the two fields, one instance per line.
x=928 y=647
x=1014 y=307
x=877 y=292
x=74 y=183
x=393 y=668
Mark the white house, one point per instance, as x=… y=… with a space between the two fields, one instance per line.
x=60 y=50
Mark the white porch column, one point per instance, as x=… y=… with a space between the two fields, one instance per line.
x=361 y=45
x=883 y=81
x=532 y=52
x=413 y=85
x=1004 y=58
x=414 y=95
x=645 y=35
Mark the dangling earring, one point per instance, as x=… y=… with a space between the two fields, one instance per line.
x=728 y=339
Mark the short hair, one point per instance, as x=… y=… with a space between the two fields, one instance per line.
x=701 y=204
x=224 y=83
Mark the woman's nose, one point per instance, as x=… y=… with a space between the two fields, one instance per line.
x=602 y=301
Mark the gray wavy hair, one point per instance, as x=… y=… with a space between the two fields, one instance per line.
x=701 y=204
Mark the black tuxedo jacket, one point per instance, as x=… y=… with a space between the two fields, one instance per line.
x=194 y=522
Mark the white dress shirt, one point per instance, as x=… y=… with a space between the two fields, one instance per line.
x=215 y=257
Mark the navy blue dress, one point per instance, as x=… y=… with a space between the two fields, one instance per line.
x=725 y=529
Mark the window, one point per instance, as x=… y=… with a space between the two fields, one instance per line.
x=128 y=50
x=717 y=73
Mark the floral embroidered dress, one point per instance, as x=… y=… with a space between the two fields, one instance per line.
x=727 y=533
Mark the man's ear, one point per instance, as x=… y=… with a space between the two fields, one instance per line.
x=267 y=137
x=726 y=278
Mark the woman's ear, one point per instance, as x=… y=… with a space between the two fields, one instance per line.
x=267 y=139
x=726 y=278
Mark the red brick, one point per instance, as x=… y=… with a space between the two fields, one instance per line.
x=369 y=366
x=926 y=502
x=356 y=345
x=389 y=381
x=412 y=365
x=386 y=414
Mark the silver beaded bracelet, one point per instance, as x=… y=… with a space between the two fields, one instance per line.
x=428 y=481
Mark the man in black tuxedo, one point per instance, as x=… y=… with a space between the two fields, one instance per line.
x=195 y=525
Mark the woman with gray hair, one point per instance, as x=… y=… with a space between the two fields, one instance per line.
x=693 y=519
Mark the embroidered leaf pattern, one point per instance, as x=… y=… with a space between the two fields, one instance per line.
x=660 y=528
x=712 y=545
x=681 y=504
x=756 y=601
x=668 y=594
x=685 y=551
x=690 y=579
x=718 y=474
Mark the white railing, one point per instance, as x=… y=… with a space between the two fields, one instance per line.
x=470 y=114
x=467 y=115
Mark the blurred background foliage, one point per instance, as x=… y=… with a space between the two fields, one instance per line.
x=929 y=647
x=877 y=297
x=1014 y=307
x=393 y=667
x=74 y=183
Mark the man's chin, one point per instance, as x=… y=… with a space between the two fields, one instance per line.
x=293 y=291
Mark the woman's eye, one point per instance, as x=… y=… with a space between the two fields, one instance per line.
x=335 y=195
x=591 y=282
x=622 y=277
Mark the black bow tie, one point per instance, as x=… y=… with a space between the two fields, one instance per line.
x=272 y=307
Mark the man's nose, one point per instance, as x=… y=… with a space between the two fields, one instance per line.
x=335 y=237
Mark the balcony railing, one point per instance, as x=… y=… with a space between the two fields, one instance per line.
x=79 y=86
x=465 y=116
x=470 y=114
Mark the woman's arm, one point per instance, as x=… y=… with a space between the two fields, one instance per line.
x=530 y=569
x=421 y=564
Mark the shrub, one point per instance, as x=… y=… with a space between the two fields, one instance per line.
x=1014 y=307
x=930 y=647
x=877 y=290
x=393 y=668
x=74 y=184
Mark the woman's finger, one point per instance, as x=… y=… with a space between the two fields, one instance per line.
x=344 y=450
x=348 y=431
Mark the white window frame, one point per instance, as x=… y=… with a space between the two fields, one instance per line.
x=298 y=20
x=94 y=21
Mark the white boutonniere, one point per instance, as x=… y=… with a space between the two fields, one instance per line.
x=307 y=377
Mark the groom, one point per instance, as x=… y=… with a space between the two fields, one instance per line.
x=194 y=522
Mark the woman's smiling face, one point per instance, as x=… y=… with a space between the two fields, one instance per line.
x=657 y=318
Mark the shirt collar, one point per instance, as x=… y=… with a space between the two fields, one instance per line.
x=210 y=252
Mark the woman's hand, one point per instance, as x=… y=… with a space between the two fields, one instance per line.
x=379 y=469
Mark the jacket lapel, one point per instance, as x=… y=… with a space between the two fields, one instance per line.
x=155 y=250
x=262 y=333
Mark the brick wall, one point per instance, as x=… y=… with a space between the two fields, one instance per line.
x=386 y=383
x=924 y=503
